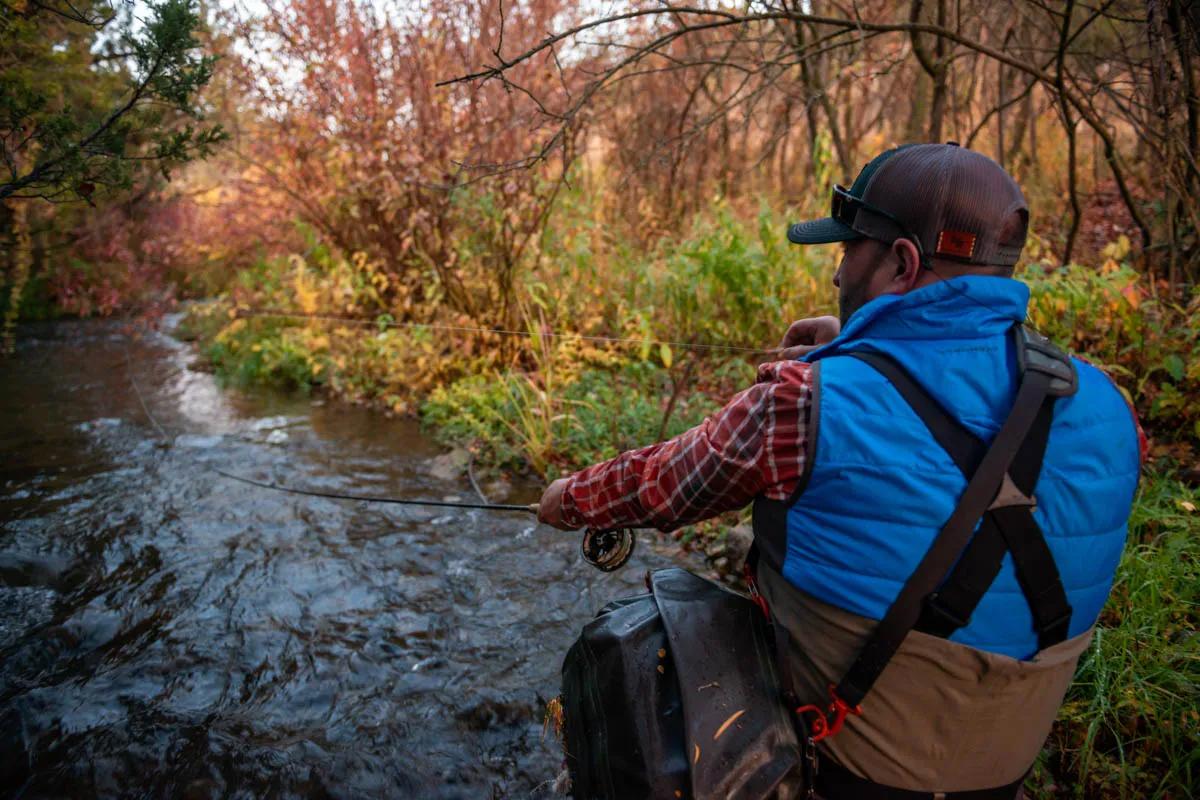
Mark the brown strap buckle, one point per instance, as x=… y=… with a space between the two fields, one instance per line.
x=1009 y=495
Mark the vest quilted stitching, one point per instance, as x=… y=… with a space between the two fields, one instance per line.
x=881 y=487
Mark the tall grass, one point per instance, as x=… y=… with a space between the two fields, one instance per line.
x=1131 y=725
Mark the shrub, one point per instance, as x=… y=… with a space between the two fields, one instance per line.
x=332 y=330
x=1115 y=317
x=594 y=415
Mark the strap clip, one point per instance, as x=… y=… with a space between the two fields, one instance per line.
x=828 y=722
x=748 y=574
x=1009 y=496
x=1035 y=353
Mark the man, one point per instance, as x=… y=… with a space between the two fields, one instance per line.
x=851 y=486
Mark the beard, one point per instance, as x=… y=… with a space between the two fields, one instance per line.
x=854 y=287
x=851 y=297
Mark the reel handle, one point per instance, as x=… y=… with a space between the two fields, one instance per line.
x=607 y=550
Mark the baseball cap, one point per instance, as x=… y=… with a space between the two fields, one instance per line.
x=955 y=203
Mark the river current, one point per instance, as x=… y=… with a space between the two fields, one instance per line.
x=166 y=632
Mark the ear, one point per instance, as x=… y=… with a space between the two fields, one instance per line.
x=908 y=265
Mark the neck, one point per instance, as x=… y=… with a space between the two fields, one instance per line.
x=941 y=270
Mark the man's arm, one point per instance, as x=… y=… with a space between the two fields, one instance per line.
x=754 y=445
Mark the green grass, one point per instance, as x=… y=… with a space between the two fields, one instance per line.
x=597 y=413
x=267 y=352
x=1130 y=727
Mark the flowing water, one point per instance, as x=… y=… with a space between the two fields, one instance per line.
x=166 y=632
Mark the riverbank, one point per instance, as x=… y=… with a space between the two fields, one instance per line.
x=617 y=348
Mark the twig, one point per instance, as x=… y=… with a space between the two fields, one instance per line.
x=677 y=387
x=471 y=477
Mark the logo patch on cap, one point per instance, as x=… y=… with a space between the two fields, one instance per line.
x=955 y=243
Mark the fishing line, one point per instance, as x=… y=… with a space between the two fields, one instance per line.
x=138 y=392
x=528 y=509
x=385 y=324
x=604 y=549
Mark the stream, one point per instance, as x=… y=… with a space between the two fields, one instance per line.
x=166 y=632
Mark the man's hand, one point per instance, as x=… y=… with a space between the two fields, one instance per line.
x=550 y=508
x=805 y=335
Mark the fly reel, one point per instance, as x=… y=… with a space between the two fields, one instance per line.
x=607 y=550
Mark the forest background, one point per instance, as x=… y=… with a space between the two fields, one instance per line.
x=357 y=197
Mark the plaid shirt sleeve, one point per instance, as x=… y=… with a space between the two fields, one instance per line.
x=752 y=446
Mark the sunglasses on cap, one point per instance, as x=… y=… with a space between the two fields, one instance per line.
x=872 y=222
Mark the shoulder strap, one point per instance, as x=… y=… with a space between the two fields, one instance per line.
x=1003 y=529
x=989 y=487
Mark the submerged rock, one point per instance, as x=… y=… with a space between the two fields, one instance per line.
x=498 y=490
x=18 y=569
x=489 y=709
x=273 y=423
x=197 y=441
x=737 y=544
x=450 y=466
x=98 y=424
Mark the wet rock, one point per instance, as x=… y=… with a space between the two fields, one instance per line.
x=202 y=365
x=498 y=490
x=737 y=544
x=489 y=709
x=98 y=424
x=197 y=441
x=272 y=423
x=450 y=466
x=18 y=569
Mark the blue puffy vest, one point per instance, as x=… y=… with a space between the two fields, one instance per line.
x=879 y=487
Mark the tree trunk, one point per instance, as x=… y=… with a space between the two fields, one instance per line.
x=22 y=257
x=919 y=113
x=937 y=112
x=811 y=74
x=1001 y=98
x=1017 y=134
x=1069 y=128
x=935 y=67
x=1031 y=112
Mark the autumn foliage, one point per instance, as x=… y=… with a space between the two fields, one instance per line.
x=517 y=217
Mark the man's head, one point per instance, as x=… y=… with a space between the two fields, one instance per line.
x=918 y=214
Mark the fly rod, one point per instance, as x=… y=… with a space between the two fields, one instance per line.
x=606 y=550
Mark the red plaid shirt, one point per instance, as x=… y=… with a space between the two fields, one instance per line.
x=752 y=446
